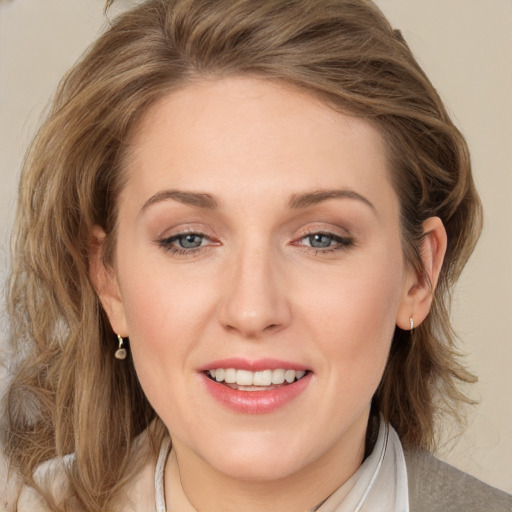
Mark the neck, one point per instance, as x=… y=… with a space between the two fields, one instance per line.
x=206 y=488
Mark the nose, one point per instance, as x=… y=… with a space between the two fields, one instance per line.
x=254 y=301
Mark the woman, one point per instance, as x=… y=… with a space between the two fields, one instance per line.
x=237 y=231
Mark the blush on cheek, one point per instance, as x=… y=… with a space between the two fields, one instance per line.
x=362 y=347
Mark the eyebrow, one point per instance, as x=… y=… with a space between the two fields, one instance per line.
x=196 y=199
x=312 y=198
x=297 y=201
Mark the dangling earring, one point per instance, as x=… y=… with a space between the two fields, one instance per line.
x=412 y=324
x=121 y=351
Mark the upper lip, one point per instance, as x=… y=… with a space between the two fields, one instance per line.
x=253 y=366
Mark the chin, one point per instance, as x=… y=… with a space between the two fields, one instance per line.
x=258 y=469
x=260 y=460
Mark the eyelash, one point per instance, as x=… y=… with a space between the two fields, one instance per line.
x=167 y=244
x=341 y=242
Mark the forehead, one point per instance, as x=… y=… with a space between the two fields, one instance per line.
x=260 y=134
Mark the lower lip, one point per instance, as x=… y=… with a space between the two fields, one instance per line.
x=256 y=402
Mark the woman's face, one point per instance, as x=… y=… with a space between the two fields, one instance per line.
x=258 y=241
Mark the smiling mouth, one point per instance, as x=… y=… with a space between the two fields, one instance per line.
x=264 y=380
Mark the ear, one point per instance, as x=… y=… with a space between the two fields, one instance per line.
x=105 y=283
x=418 y=290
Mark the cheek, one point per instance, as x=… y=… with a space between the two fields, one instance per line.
x=165 y=315
x=163 y=332
x=160 y=301
x=355 y=319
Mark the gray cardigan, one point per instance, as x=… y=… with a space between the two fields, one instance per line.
x=435 y=486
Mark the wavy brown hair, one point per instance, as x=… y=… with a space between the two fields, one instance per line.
x=68 y=393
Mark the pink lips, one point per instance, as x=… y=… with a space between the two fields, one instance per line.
x=253 y=366
x=255 y=402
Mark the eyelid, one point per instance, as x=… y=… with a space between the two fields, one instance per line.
x=192 y=228
x=166 y=241
x=333 y=231
x=342 y=241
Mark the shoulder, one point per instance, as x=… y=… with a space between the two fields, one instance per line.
x=19 y=497
x=50 y=476
x=435 y=485
x=10 y=487
x=135 y=495
x=31 y=501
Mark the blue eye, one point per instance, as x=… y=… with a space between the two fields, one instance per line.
x=190 y=241
x=185 y=243
x=325 y=241
x=320 y=241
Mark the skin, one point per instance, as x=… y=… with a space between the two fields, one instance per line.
x=256 y=288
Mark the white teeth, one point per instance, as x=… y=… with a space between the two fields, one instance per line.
x=289 y=376
x=230 y=376
x=261 y=378
x=244 y=378
x=277 y=376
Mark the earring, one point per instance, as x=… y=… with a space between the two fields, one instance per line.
x=121 y=350
x=412 y=324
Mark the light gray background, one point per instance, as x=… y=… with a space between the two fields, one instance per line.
x=466 y=48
